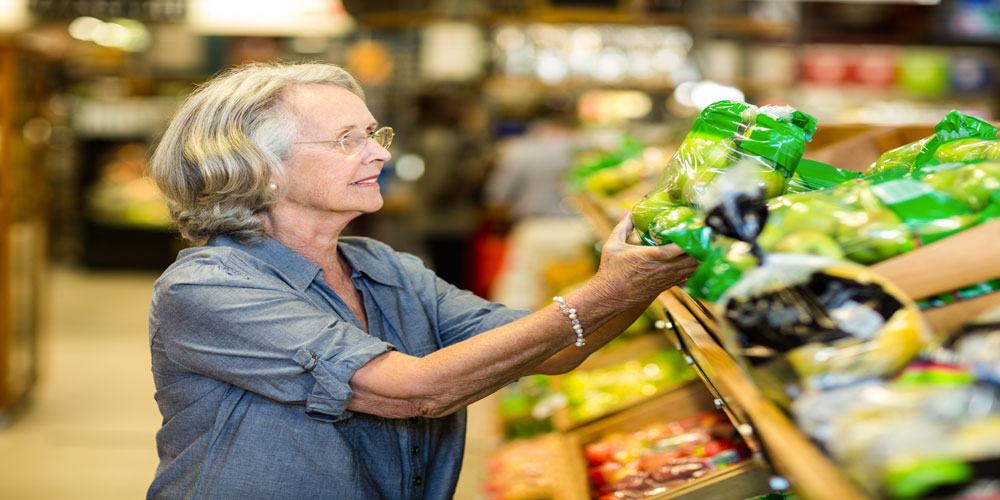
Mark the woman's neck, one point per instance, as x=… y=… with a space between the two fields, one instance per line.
x=313 y=237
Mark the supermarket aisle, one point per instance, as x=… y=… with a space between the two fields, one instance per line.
x=89 y=428
x=87 y=432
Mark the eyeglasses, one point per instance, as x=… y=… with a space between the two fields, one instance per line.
x=353 y=142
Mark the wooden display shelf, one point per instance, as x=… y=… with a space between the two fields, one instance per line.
x=937 y=268
x=743 y=480
x=809 y=471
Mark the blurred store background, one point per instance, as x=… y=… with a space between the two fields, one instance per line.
x=86 y=86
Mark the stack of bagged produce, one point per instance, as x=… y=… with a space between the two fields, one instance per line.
x=909 y=199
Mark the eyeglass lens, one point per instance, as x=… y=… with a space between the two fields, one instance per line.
x=383 y=136
x=355 y=142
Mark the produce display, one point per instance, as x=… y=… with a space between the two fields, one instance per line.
x=865 y=220
x=905 y=412
x=872 y=220
x=526 y=406
x=662 y=456
x=592 y=393
x=607 y=173
x=801 y=324
x=931 y=431
x=771 y=139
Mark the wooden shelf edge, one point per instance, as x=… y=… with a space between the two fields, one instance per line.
x=812 y=474
x=955 y=262
x=946 y=319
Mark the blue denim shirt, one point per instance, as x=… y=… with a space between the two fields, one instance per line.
x=252 y=353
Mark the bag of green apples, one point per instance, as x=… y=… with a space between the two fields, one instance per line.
x=957 y=137
x=803 y=323
x=772 y=138
x=865 y=220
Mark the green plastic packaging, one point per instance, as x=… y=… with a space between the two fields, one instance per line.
x=957 y=137
x=863 y=220
x=812 y=175
x=771 y=139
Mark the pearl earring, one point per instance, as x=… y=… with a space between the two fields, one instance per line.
x=272 y=186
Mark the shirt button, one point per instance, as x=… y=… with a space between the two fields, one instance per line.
x=416 y=450
x=418 y=481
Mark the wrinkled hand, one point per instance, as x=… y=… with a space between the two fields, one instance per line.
x=632 y=273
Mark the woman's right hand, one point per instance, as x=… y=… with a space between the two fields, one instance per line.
x=638 y=273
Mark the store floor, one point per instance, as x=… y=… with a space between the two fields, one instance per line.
x=87 y=431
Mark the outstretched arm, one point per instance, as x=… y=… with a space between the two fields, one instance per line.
x=397 y=385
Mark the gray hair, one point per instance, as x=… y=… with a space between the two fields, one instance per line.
x=226 y=144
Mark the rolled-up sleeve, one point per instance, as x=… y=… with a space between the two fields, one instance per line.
x=270 y=340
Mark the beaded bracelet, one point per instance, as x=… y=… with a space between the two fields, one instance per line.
x=571 y=314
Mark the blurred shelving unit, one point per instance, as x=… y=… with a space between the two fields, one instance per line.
x=23 y=225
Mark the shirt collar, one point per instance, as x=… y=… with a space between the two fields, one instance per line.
x=292 y=267
x=360 y=256
x=301 y=272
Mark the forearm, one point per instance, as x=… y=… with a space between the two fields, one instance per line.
x=571 y=357
x=397 y=385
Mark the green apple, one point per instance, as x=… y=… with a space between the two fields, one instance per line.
x=767 y=177
x=969 y=148
x=901 y=157
x=942 y=180
x=718 y=156
x=649 y=207
x=670 y=218
x=695 y=187
x=771 y=234
x=975 y=184
x=816 y=214
x=992 y=151
x=811 y=243
x=858 y=196
x=869 y=237
x=688 y=160
x=941 y=228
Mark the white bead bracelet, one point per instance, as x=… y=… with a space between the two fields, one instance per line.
x=571 y=314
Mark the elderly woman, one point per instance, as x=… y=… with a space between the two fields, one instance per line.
x=291 y=361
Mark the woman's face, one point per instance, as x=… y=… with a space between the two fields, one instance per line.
x=321 y=176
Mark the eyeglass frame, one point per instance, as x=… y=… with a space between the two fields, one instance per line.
x=368 y=137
